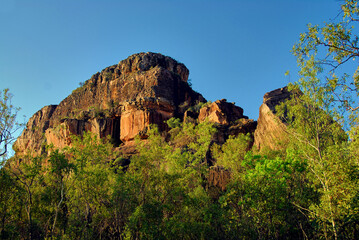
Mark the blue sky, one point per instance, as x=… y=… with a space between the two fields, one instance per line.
x=237 y=50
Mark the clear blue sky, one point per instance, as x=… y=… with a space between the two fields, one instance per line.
x=237 y=50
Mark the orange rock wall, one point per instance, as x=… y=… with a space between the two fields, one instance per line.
x=120 y=101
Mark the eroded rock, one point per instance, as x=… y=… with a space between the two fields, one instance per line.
x=221 y=112
x=31 y=140
x=271 y=130
x=121 y=101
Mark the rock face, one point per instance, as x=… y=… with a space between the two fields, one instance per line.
x=218 y=178
x=270 y=132
x=221 y=112
x=121 y=101
x=32 y=136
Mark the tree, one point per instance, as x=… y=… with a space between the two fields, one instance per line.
x=9 y=205
x=55 y=195
x=260 y=199
x=28 y=173
x=334 y=49
x=89 y=184
x=168 y=176
x=327 y=57
x=8 y=123
x=232 y=152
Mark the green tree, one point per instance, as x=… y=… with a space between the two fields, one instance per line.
x=8 y=123
x=55 y=193
x=171 y=201
x=329 y=85
x=90 y=186
x=28 y=173
x=231 y=154
x=321 y=141
x=10 y=206
x=334 y=50
x=261 y=197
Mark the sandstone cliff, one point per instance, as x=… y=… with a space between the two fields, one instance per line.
x=122 y=100
x=270 y=132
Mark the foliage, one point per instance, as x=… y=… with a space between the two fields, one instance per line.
x=332 y=52
x=8 y=123
x=321 y=142
x=260 y=199
x=328 y=97
x=170 y=185
x=82 y=193
x=173 y=123
x=232 y=152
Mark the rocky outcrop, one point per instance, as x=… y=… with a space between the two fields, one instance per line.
x=32 y=141
x=121 y=101
x=137 y=116
x=141 y=77
x=271 y=130
x=60 y=136
x=221 y=112
x=219 y=177
x=228 y=118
